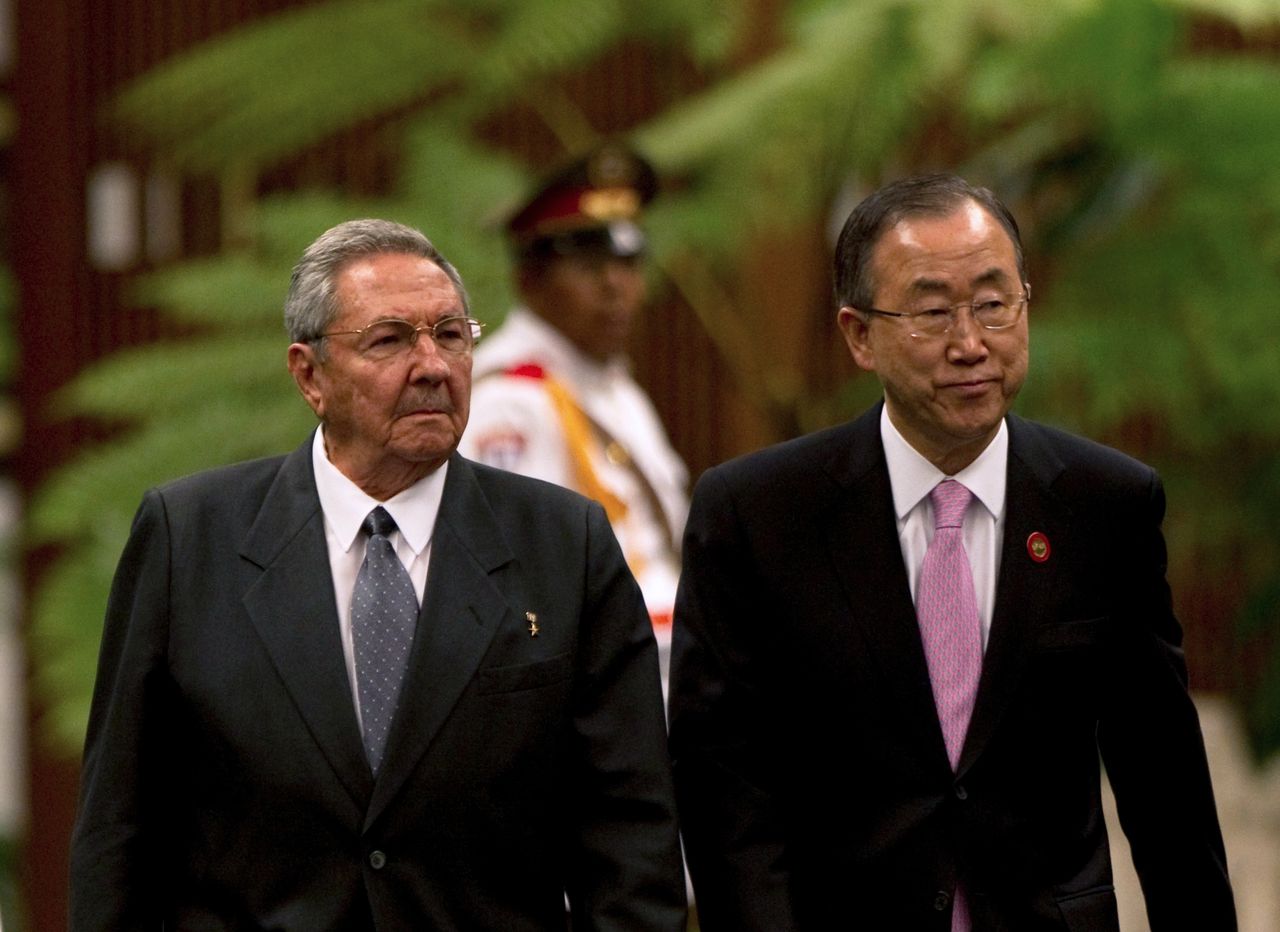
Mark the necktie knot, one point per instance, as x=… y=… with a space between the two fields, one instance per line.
x=950 y=501
x=378 y=523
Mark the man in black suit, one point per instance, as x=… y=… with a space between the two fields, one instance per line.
x=258 y=757
x=841 y=762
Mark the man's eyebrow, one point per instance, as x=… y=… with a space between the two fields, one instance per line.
x=992 y=276
x=929 y=286
x=408 y=314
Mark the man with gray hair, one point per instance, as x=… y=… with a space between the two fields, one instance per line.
x=370 y=684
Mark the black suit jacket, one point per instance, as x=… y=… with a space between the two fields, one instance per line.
x=225 y=785
x=811 y=774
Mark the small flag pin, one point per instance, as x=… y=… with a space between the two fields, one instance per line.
x=1038 y=547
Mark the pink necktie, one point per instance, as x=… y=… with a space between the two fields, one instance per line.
x=947 y=610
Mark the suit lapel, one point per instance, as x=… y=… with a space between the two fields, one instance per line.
x=863 y=539
x=461 y=611
x=292 y=609
x=1026 y=591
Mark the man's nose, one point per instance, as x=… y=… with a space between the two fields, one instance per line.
x=428 y=359
x=967 y=338
x=616 y=272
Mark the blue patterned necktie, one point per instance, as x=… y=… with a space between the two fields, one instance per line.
x=384 y=614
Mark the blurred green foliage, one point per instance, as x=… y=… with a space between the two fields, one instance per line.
x=1141 y=165
x=10 y=902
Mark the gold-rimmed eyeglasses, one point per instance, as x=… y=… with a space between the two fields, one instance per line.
x=992 y=311
x=383 y=339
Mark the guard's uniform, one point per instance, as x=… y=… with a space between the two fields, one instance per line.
x=540 y=407
x=565 y=409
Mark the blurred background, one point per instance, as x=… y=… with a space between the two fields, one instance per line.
x=163 y=163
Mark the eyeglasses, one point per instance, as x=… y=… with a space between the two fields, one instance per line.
x=384 y=339
x=997 y=311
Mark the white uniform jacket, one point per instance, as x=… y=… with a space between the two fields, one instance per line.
x=528 y=379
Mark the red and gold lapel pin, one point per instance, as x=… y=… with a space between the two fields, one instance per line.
x=532 y=618
x=1038 y=547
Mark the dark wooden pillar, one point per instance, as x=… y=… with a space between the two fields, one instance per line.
x=71 y=56
x=49 y=159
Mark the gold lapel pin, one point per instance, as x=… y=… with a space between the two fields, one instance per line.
x=532 y=618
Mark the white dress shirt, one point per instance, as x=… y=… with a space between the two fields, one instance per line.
x=345 y=507
x=913 y=477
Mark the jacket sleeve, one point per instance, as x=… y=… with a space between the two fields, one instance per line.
x=724 y=746
x=625 y=873
x=1152 y=746
x=116 y=851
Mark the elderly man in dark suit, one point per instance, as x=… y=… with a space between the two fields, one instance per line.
x=282 y=739
x=901 y=643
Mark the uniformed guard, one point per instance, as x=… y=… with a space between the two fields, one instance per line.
x=554 y=397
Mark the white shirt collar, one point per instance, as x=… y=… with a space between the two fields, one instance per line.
x=345 y=504
x=912 y=477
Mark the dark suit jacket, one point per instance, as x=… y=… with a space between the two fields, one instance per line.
x=225 y=785
x=812 y=780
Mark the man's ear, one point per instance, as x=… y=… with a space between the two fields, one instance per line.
x=305 y=369
x=856 y=330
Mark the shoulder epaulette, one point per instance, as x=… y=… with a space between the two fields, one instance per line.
x=526 y=370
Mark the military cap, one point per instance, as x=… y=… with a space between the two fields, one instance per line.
x=589 y=206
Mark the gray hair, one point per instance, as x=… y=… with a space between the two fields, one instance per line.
x=311 y=306
x=922 y=196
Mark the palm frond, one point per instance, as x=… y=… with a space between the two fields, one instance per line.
x=64 y=637
x=112 y=477
x=285 y=224
x=328 y=67
x=226 y=289
x=177 y=378
x=1208 y=117
x=544 y=37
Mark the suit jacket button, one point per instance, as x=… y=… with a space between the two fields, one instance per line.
x=961 y=793
x=377 y=860
x=941 y=900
